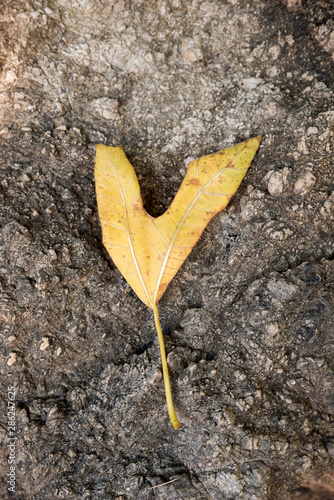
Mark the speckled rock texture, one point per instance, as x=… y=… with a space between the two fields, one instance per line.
x=248 y=320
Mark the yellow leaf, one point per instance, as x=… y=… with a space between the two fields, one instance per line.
x=149 y=251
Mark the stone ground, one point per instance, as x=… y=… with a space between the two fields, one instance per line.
x=248 y=320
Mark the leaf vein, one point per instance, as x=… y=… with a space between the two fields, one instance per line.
x=113 y=225
x=189 y=225
x=108 y=197
x=200 y=210
x=185 y=195
x=160 y=232
x=154 y=248
x=171 y=212
x=170 y=225
x=105 y=185
x=217 y=194
x=105 y=242
x=133 y=175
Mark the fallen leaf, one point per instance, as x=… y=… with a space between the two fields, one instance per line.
x=149 y=251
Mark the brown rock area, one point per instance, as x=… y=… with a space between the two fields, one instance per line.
x=248 y=320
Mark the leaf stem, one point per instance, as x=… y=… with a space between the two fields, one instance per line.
x=171 y=412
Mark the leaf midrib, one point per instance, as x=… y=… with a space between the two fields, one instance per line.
x=128 y=232
x=199 y=194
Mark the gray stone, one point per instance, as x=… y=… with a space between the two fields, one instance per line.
x=282 y=289
x=248 y=319
x=277 y=181
x=305 y=182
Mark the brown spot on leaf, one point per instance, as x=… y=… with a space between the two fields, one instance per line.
x=194 y=181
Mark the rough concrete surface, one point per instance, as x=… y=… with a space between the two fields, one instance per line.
x=248 y=320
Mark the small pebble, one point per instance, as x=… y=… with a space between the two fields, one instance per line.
x=282 y=289
x=189 y=52
x=45 y=343
x=277 y=181
x=12 y=359
x=304 y=183
x=188 y=160
x=251 y=83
